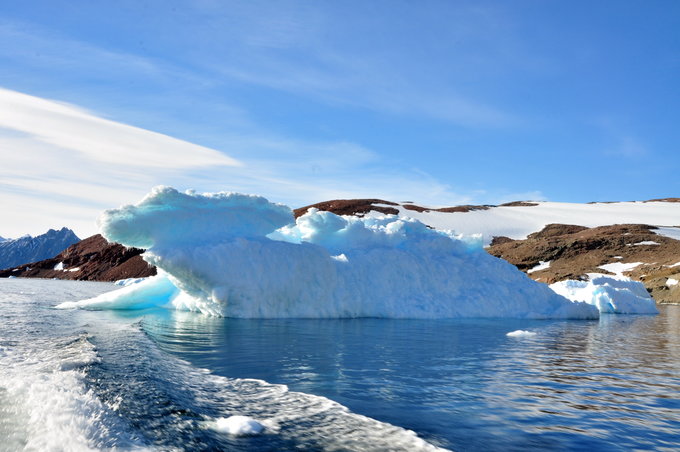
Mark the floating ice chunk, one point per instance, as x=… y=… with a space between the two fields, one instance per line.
x=240 y=256
x=239 y=426
x=521 y=333
x=610 y=294
x=59 y=266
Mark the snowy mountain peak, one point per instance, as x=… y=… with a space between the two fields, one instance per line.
x=31 y=249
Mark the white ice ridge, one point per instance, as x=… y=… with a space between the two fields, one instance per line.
x=616 y=294
x=239 y=255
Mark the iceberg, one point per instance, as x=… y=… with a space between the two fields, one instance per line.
x=611 y=294
x=237 y=255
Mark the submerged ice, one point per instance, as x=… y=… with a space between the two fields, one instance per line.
x=239 y=255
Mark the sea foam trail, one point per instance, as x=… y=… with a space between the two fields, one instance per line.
x=45 y=403
x=241 y=256
x=109 y=387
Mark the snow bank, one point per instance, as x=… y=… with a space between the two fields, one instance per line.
x=618 y=268
x=240 y=256
x=610 y=294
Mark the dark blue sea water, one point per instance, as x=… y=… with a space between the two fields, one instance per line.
x=158 y=380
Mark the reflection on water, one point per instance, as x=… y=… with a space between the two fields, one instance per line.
x=610 y=384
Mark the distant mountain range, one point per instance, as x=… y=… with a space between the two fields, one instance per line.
x=30 y=249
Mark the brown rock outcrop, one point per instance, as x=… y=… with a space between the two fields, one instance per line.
x=351 y=207
x=91 y=259
x=574 y=251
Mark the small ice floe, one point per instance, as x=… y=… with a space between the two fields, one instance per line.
x=521 y=333
x=239 y=426
x=611 y=294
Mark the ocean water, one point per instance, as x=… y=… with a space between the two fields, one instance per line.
x=73 y=380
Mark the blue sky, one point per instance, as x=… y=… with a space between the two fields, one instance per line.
x=438 y=102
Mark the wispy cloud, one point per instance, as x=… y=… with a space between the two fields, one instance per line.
x=100 y=140
x=62 y=165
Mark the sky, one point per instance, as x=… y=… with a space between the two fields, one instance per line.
x=436 y=102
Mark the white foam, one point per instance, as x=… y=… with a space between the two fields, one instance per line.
x=43 y=391
x=239 y=426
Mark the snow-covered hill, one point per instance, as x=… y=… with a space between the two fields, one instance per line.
x=517 y=222
x=31 y=249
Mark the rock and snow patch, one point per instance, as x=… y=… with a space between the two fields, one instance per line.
x=646 y=242
x=610 y=294
x=59 y=266
x=671 y=282
x=542 y=265
x=237 y=255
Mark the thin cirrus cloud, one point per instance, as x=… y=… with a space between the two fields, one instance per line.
x=62 y=164
x=99 y=139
